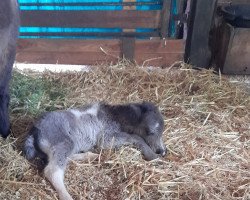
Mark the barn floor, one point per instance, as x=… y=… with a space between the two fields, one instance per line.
x=207 y=132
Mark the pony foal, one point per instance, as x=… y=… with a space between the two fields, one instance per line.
x=61 y=135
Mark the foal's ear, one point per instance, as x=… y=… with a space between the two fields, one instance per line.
x=147 y=106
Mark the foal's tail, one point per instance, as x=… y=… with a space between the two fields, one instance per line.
x=29 y=149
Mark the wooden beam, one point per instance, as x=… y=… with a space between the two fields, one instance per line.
x=127 y=33
x=237 y=60
x=90 y=52
x=223 y=2
x=133 y=7
x=80 y=4
x=128 y=43
x=128 y=48
x=179 y=24
x=165 y=16
x=222 y=40
x=197 y=51
x=232 y=55
x=96 y=19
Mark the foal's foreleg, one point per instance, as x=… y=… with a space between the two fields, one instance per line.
x=122 y=138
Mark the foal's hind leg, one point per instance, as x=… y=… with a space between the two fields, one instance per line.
x=54 y=171
x=55 y=174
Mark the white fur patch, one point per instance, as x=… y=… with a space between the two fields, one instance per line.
x=56 y=175
x=57 y=178
x=157 y=125
x=91 y=111
x=163 y=147
x=76 y=113
x=45 y=146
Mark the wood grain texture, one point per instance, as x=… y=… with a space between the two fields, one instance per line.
x=222 y=39
x=90 y=52
x=234 y=55
x=198 y=52
x=129 y=7
x=165 y=16
x=97 y=19
x=98 y=3
x=128 y=48
x=233 y=1
x=178 y=24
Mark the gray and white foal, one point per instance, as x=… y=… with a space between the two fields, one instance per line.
x=61 y=135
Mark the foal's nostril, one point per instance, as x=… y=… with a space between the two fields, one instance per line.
x=159 y=151
x=162 y=152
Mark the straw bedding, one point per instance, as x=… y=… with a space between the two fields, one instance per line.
x=207 y=133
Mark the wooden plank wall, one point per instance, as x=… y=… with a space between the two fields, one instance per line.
x=233 y=1
x=89 y=52
x=231 y=45
x=101 y=19
x=197 y=50
x=233 y=57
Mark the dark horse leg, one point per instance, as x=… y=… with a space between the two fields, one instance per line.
x=9 y=20
x=4 y=97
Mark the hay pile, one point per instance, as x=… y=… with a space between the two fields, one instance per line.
x=207 y=132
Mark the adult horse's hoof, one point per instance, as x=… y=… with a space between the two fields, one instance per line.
x=4 y=130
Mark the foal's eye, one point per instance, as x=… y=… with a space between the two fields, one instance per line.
x=150 y=133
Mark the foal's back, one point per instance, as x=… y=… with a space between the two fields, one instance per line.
x=79 y=127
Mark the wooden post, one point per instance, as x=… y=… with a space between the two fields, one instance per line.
x=165 y=16
x=128 y=43
x=197 y=51
x=179 y=25
x=128 y=48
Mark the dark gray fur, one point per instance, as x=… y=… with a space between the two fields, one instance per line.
x=61 y=134
x=9 y=21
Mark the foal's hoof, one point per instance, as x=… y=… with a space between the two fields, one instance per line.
x=151 y=157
